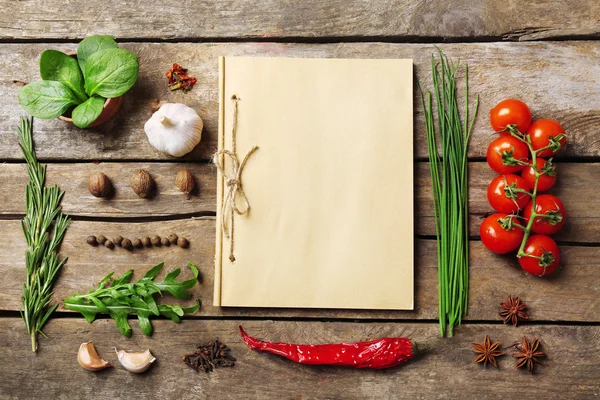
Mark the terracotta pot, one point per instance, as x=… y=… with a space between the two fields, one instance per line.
x=111 y=107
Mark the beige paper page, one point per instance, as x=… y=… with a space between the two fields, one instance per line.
x=330 y=187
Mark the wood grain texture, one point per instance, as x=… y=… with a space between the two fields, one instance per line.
x=167 y=200
x=558 y=80
x=575 y=186
x=573 y=356
x=313 y=19
x=570 y=294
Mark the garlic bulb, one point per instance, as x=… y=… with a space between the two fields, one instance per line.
x=89 y=359
x=135 y=362
x=174 y=129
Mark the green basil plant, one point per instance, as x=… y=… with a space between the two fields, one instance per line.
x=100 y=71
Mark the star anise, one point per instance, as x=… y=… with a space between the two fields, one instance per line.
x=487 y=352
x=512 y=310
x=528 y=353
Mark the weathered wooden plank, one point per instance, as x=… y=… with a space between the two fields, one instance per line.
x=72 y=178
x=575 y=187
x=573 y=356
x=558 y=79
x=313 y=19
x=569 y=295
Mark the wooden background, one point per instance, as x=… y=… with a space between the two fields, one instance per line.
x=546 y=53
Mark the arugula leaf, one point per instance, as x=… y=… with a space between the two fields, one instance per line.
x=92 y=44
x=57 y=66
x=110 y=72
x=46 y=99
x=178 y=289
x=88 y=111
x=120 y=298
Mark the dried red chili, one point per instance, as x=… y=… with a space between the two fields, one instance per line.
x=179 y=78
x=374 y=354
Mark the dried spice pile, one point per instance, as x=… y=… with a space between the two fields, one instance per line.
x=179 y=79
x=209 y=356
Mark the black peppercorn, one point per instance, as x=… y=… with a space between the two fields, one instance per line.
x=126 y=243
x=165 y=241
x=91 y=240
x=117 y=240
x=137 y=243
x=173 y=238
x=155 y=240
x=146 y=241
x=183 y=242
x=101 y=239
x=108 y=244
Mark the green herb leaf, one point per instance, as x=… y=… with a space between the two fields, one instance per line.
x=110 y=72
x=46 y=99
x=87 y=112
x=59 y=67
x=91 y=45
x=178 y=289
x=120 y=298
x=42 y=216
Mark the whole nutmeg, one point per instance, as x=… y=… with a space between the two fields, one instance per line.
x=126 y=243
x=155 y=240
x=142 y=183
x=137 y=243
x=185 y=181
x=117 y=240
x=108 y=244
x=165 y=241
x=91 y=240
x=146 y=241
x=99 y=185
x=173 y=238
x=183 y=242
x=101 y=239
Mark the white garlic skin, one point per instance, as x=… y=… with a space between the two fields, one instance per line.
x=135 y=362
x=174 y=129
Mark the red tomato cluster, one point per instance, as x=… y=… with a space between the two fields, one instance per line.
x=514 y=190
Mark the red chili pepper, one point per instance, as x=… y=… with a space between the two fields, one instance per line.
x=375 y=354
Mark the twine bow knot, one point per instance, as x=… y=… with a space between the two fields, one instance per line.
x=235 y=190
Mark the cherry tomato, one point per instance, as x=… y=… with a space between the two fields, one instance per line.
x=495 y=235
x=546 y=181
x=510 y=112
x=541 y=131
x=553 y=208
x=503 y=150
x=540 y=246
x=501 y=196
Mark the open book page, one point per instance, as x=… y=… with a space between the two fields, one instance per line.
x=330 y=186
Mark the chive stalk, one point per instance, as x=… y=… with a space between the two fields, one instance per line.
x=449 y=179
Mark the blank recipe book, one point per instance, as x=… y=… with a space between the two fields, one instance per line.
x=315 y=183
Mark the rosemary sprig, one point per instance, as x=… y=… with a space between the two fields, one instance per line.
x=119 y=298
x=449 y=177
x=41 y=260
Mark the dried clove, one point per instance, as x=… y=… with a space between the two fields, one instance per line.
x=209 y=356
x=137 y=243
x=173 y=238
x=101 y=239
x=108 y=244
x=92 y=241
x=155 y=240
x=165 y=241
x=146 y=241
x=183 y=242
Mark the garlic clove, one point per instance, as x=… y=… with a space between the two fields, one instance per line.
x=136 y=362
x=89 y=359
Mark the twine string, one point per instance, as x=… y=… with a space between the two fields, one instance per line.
x=235 y=191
